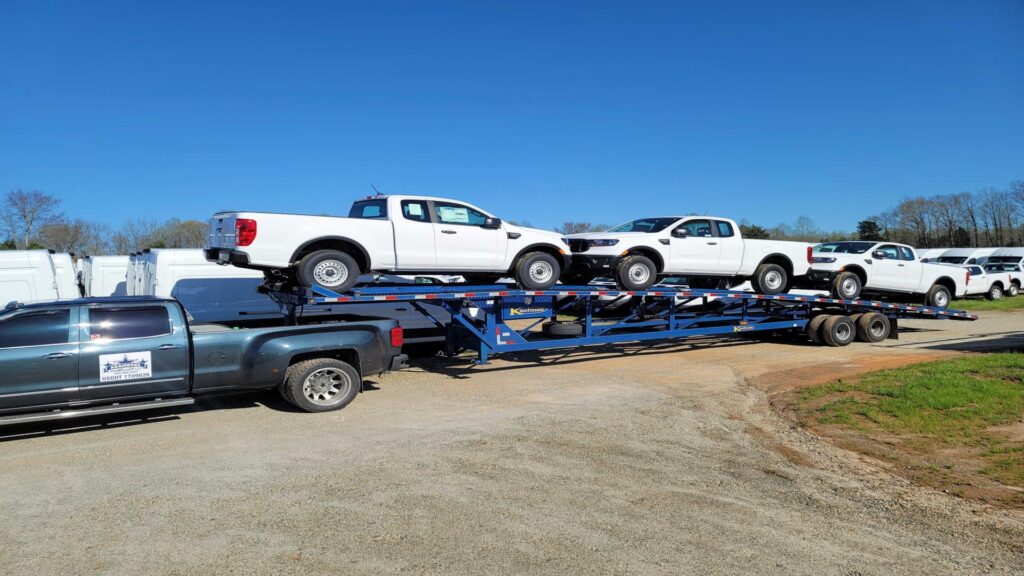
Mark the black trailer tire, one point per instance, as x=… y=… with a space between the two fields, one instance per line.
x=995 y=292
x=537 y=271
x=814 y=328
x=770 y=279
x=332 y=269
x=1013 y=290
x=846 y=286
x=938 y=296
x=481 y=278
x=838 y=331
x=636 y=272
x=321 y=384
x=873 y=327
x=562 y=329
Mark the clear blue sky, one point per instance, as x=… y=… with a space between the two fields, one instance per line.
x=539 y=111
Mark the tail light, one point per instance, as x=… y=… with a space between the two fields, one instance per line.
x=810 y=254
x=397 y=337
x=967 y=277
x=245 y=231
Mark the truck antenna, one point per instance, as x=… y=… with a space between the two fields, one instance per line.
x=375 y=190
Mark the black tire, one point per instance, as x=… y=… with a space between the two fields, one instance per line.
x=846 y=286
x=332 y=269
x=537 y=271
x=814 y=328
x=837 y=331
x=770 y=279
x=481 y=278
x=873 y=327
x=630 y=273
x=995 y=292
x=562 y=329
x=1013 y=290
x=938 y=296
x=576 y=279
x=332 y=384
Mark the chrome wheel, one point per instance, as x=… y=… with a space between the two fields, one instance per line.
x=541 y=272
x=326 y=386
x=330 y=273
x=638 y=274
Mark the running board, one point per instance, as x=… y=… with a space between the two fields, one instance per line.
x=97 y=410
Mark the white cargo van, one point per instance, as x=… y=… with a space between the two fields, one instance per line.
x=104 y=275
x=27 y=275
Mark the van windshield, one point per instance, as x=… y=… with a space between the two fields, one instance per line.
x=844 y=247
x=648 y=225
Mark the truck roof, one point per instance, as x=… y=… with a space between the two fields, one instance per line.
x=87 y=300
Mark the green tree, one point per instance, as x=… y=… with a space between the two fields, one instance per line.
x=754 y=232
x=869 y=230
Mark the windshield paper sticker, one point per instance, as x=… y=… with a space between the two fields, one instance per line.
x=125 y=366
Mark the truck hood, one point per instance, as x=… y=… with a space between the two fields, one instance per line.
x=553 y=237
x=612 y=235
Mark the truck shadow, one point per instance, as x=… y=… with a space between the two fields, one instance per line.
x=988 y=342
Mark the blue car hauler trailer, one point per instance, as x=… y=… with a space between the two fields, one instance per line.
x=478 y=316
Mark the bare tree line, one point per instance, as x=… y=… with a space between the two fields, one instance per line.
x=33 y=219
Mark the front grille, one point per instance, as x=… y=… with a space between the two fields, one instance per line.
x=578 y=245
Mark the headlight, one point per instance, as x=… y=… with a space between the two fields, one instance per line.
x=822 y=260
x=596 y=243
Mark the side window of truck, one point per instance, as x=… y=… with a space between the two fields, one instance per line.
x=130 y=322
x=724 y=228
x=35 y=329
x=889 y=251
x=697 y=227
x=448 y=213
x=369 y=209
x=415 y=210
x=907 y=254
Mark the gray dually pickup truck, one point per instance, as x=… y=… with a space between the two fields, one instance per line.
x=102 y=355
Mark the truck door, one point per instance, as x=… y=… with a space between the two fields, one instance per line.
x=461 y=240
x=39 y=357
x=133 y=350
x=730 y=247
x=893 y=271
x=693 y=247
x=414 y=236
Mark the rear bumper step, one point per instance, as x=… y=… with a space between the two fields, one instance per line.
x=93 y=411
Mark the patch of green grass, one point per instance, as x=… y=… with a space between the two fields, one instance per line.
x=1004 y=303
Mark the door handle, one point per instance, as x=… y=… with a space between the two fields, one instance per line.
x=448 y=232
x=168 y=347
x=712 y=243
x=56 y=355
x=901 y=265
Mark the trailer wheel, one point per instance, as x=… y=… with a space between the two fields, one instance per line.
x=769 y=279
x=331 y=269
x=562 y=329
x=636 y=272
x=995 y=292
x=846 y=286
x=937 y=296
x=321 y=384
x=814 y=328
x=1013 y=290
x=838 y=331
x=537 y=271
x=873 y=327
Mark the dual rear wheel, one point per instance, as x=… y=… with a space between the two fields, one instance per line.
x=840 y=330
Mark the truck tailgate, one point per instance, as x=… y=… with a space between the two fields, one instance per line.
x=222 y=231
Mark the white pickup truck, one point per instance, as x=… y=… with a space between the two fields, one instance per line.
x=849 y=268
x=707 y=250
x=400 y=234
x=989 y=281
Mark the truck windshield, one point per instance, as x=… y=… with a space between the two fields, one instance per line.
x=844 y=247
x=648 y=225
x=369 y=209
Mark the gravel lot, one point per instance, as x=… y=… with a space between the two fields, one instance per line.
x=662 y=459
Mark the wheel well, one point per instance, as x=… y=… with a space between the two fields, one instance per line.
x=859 y=272
x=346 y=355
x=546 y=248
x=1000 y=283
x=345 y=245
x=781 y=260
x=1015 y=282
x=947 y=283
x=649 y=253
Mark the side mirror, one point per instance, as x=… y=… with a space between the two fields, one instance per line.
x=880 y=254
x=680 y=233
x=491 y=223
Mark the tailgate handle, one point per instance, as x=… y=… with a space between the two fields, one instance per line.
x=168 y=347
x=56 y=355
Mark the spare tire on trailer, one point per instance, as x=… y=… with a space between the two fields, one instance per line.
x=838 y=331
x=562 y=329
x=873 y=327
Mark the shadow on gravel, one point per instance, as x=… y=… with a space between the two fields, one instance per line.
x=1011 y=341
x=462 y=366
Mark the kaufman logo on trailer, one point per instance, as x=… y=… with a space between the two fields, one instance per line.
x=126 y=366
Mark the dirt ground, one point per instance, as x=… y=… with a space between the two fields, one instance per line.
x=653 y=459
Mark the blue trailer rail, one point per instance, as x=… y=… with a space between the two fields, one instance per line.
x=480 y=316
